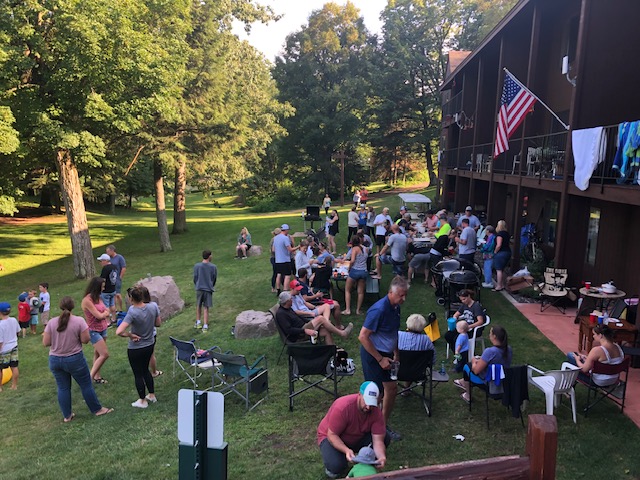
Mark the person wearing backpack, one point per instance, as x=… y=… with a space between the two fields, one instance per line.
x=487 y=255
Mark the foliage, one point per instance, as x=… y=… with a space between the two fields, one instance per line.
x=324 y=74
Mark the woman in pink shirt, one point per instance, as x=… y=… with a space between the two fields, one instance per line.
x=65 y=335
x=97 y=315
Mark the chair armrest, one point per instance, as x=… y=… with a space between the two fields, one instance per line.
x=215 y=348
x=258 y=360
x=569 y=366
x=531 y=369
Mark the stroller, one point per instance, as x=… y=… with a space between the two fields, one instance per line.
x=440 y=271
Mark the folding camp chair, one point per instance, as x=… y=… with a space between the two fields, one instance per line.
x=616 y=392
x=416 y=368
x=554 y=289
x=511 y=390
x=190 y=359
x=311 y=361
x=237 y=376
x=283 y=336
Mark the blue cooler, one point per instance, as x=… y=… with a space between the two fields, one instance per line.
x=451 y=324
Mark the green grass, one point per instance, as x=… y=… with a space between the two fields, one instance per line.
x=270 y=442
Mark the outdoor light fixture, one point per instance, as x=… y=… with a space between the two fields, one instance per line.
x=565 y=70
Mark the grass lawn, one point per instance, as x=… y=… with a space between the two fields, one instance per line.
x=270 y=442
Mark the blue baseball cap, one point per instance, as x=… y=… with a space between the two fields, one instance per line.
x=5 y=307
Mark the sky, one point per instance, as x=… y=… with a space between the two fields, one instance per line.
x=270 y=38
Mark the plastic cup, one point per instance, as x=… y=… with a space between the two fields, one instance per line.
x=600 y=320
x=393 y=372
x=587 y=285
x=314 y=338
x=593 y=319
x=451 y=324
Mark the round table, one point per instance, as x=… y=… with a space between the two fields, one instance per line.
x=596 y=293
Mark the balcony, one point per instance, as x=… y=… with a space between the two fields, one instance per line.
x=450 y=108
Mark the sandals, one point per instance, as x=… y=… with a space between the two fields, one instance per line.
x=497 y=289
x=100 y=381
x=151 y=399
x=157 y=373
x=458 y=383
x=67 y=420
x=103 y=411
x=465 y=397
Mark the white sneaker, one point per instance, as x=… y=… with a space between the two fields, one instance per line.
x=487 y=285
x=205 y=328
x=198 y=324
x=139 y=404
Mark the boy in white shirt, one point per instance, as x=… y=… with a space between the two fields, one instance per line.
x=9 y=329
x=45 y=302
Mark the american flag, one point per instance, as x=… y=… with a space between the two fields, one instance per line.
x=515 y=103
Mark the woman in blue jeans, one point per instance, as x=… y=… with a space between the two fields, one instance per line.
x=65 y=335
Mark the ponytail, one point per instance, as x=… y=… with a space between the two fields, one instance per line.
x=66 y=305
x=501 y=335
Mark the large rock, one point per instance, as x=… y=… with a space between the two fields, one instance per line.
x=254 y=324
x=254 y=251
x=165 y=293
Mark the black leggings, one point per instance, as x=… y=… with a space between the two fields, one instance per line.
x=139 y=361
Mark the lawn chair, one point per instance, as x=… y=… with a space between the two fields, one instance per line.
x=554 y=384
x=477 y=336
x=416 y=367
x=554 y=289
x=307 y=361
x=237 y=376
x=192 y=360
x=511 y=390
x=616 y=392
x=283 y=337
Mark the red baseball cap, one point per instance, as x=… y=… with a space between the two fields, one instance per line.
x=295 y=285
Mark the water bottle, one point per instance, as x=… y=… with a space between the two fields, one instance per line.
x=442 y=369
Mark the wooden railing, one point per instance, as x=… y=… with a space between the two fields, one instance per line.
x=539 y=464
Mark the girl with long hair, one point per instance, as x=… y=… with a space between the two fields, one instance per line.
x=97 y=316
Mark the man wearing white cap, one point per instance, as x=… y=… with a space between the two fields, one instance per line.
x=282 y=249
x=353 y=421
x=474 y=222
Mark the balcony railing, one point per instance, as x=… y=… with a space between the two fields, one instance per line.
x=450 y=108
x=541 y=156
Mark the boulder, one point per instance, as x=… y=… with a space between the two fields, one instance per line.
x=254 y=324
x=165 y=293
x=254 y=251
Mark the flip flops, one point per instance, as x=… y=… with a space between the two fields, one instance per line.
x=458 y=383
x=103 y=411
x=100 y=381
x=67 y=420
x=157 y=373
x=151 y=399
x=465 y=397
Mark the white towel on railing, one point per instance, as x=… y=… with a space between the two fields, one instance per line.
x=588 y=147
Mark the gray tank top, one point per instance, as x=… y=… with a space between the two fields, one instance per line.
x=361 y=260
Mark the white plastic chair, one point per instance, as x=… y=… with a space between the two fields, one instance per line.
x=474 y=338
x=554 y=384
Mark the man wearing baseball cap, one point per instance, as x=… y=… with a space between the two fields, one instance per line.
x=282 y=248
x=474 y=222
x=352 y=422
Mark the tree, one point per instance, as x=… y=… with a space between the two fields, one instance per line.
x=9 y=143
x=324 y=74
x=82 y=73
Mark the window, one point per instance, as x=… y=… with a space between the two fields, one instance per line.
x=550 y=226
x=592 y=236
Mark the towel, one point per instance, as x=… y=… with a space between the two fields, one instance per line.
x=588 y=147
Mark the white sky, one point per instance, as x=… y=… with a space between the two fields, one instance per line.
x=270 y=38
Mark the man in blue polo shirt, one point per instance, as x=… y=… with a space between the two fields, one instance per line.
x=379 y=345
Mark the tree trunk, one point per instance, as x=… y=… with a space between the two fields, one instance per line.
x=112 y=204
x=83 y=262
x=179 y=199
x=161 y=212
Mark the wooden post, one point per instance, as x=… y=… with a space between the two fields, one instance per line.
x=542 y=446
x=341 y=156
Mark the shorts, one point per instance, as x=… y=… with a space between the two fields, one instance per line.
x=109 y=299
x=97 y=336
x=34 y=319
x=388 y=260
x=118 y=286
x=283 y=268
x=501 y=259
x=204 y=298
x=25 y=324
x=420 y=260
x=380 y=240
x=358 y=274
x=372 y=370
x=9 y=359
x=44 y=316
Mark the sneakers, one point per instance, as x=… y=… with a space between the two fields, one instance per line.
x=487 y=285
x=347 y=331
x=394 y=436
x=139 y=404
x=205 y=328
x=330 y=474
x=198 y=324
